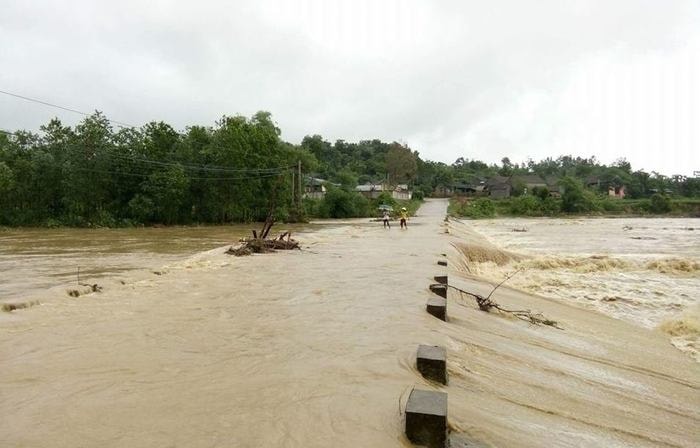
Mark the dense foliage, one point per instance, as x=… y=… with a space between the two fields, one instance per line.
x=95 y=174
x=532 y=205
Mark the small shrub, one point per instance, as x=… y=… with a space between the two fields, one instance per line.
x=540 y=192
x=338 y=203
x=481 y=208
x=550 y=206
x=660 y=203
x=525 y=205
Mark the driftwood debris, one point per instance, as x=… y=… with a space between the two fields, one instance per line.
x=486 y=304
x=87 y=289
x=262 y=245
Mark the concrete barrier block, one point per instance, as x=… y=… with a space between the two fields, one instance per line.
x=442 y=263
x=426 y=418
x=442 y=279
x=437 y=306
x=431 y=361
x=439 y=289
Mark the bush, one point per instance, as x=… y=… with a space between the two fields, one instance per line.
x=385 y=199
x=525 y=205
x=540 y=192
x=643 y=206
x=611 y=205
x=52 y=223
x=550 y=206
x=575 y=199
x=481 y=208
x=660 y=203
x=141 y=208
x=338 y=203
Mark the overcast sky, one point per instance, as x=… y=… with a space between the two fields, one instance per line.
x=476 y=79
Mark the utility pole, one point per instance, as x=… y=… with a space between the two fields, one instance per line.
x=300 y=190
x=294 y=198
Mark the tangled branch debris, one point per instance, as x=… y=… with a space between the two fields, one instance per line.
x=261 y=244
x=486 y=304
x=87 y=289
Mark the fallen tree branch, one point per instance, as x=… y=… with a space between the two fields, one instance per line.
x=249 y=246
x=486 y=304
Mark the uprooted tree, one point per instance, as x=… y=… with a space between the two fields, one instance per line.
x=260 y=243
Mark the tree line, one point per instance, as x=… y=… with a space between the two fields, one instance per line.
x=97 y=174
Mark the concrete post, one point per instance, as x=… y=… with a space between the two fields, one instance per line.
x=426 y=418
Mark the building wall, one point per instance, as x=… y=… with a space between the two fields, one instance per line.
x=402 y=195
x=315 y=194
x=374 y=194
x=500 y=193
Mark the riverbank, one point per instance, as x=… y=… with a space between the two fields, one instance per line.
x=533 y=206
x=317 y=348
x=644 y=271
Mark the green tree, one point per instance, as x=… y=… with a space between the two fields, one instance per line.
x=660 y=203
x=574 y=198
x=400 y=164
x=166 y=189
x=6 y=178
x=540 y=192
x=338 y=203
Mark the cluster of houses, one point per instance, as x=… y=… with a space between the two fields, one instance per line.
x=496 y=187
x=316 y=189
x=499 y=187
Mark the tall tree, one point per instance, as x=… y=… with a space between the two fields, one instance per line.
x=400 y=164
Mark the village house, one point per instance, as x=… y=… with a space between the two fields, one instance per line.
x=402 y=192
x=527 y=182
x=314 y=188
x=373 y=191
x=498 y=187
x=555 y=190
x=370 y=190
x=592 y=182
x=442 y=191
x=616 y=192
x=595 y=183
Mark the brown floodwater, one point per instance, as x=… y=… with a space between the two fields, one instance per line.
x=35 y=262
x=317 y=347
x=642 y=270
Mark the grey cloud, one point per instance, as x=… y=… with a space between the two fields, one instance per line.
x=429 y=73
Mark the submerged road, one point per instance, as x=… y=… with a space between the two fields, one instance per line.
x=317 y=348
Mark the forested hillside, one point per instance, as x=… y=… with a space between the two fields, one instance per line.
x=103 y=174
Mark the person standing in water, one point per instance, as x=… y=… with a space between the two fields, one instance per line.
x=404 y=218
x=385 y=218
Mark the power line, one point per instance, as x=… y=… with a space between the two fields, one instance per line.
x=263 y=176
x=144 y=160
x=45 y=103
x=200 y=167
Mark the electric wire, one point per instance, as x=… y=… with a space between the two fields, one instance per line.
x=46 y=103
x=213 y=168
x=118 y=173
x=199 y=167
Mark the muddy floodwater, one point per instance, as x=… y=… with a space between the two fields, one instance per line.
x=36 y=262
x=642 y=270
x=317 y=348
